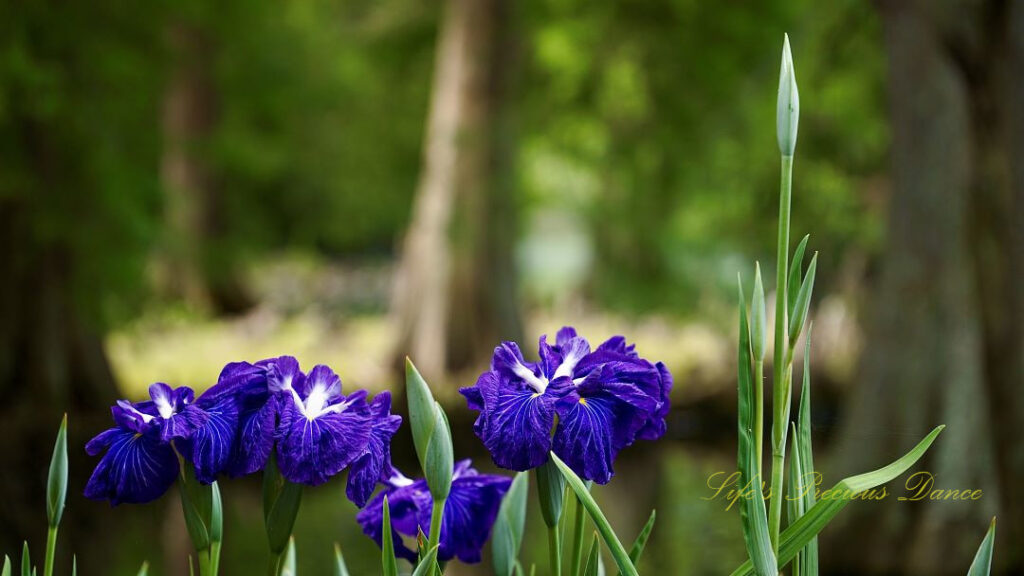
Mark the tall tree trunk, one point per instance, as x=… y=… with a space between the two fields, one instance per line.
x=942 y=347
x=193 y=267
x=51 y=362
x=455 y=289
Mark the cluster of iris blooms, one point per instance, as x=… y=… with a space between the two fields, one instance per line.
x=583 y=405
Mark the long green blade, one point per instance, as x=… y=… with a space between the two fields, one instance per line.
x=637 y=549
x=508 y=528
x=7 y=566
x=26 y=560
x=795 y=272
x=387 y=549
x=753 y=516
x=594 y=557
x=619 y=553
x=340 y=569
x=288 y=569
x=809 y=555
x=799 y=534
x=983 y=559
x=428 y=562
x=144 y=569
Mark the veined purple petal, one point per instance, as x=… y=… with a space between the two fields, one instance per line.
x=470 y=511
x=595 y=422
x=321 y=431
x=136 y=468
x=517 y=431
x=374 y=464
x=210 y=446
x=282 y=373
x=256 y=431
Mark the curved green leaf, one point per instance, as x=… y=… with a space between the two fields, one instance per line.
x=753 y=515
x=810 y=524
x=508 y=528
x=387 y=549
x=607 y=534
x=637 y=549
x=983 y=559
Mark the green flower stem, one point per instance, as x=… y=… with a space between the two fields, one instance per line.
x=577 y=542
x=782 y=372
x=214 y=558
x=759 y=414
x=51 y=547
x=436 y=517
x=274 y=566
x=555 y=551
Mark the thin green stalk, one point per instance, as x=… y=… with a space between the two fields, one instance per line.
x=576 y=558
x=51 y=547
x=555 y=551
x=214 y=558
x=759 y=415
x=436 y=517
x=782 y=384
x=274 y=566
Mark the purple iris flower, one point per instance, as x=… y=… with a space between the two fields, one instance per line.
x=604 y=400
x=318 y=431
x=469 y=512
x=140 y=463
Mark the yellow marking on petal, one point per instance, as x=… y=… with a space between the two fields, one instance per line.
x=583 y=401
x=535 y=394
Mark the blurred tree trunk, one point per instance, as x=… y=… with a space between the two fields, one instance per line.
x=193 y=266
x=944 y=340
x=455 y=293
x=52 y=361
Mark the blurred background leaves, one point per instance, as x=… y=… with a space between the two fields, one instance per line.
x=184 y=185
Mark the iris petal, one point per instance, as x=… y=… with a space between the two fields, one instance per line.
x=375 y=462
x=517 y=431
x=210 y=446
x=313 y=450
x=136 y=468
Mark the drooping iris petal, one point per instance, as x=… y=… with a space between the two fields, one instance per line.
x=210 y=446
x=257 y=425
x=136 y=468
x=469 y=515
x=517 y=431
x=322 y=431
x=374 y=464
x=594 y=424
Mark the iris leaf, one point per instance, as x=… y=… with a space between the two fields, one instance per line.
x=429 y=561
x=803 y=302
x=26 y=561
x=795 y=537
x=593 y=558
x=796 y=272
x=983 y=559
x=281 y=518
x=809 y=556
x=7 y=566
x=637 y=549
x=288 y=569
x=607 y=534
x=144 y=569
x=388 y=561
x=508 y=528
x=753 y=516
x=340 y=569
